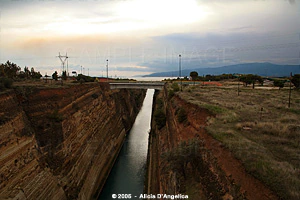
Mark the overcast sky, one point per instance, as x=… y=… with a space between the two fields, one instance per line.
x=145 y=36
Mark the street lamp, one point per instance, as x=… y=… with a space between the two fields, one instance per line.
x=180 y=71
x=107 y=69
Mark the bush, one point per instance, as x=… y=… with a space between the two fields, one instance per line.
x=190 y=151
x=159 y=103
x=5 y=83
x=82 y=78
x=95 y=96
x=296 y=80
x=2 y=86
x=279 y=83
x=181 y=117
x=175 y=87
x=160 y=118
x=171 y=94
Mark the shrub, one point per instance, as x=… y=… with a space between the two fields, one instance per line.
x=175 y=87
x=159 y=103
x=160 y=118
x=2 y=86
x=181 y=117
x=5 y=83
x=279 y=83
x=296 y=80
x=95 y=96
x=171 y=94
x=82 y=78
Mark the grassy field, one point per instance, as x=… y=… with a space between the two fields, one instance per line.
x=259 y=128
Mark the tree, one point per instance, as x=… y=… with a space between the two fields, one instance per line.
x=64 y=75
x=27 y=72
x=2 y=73
x=9 y=70
x=12 y=71
x=194 y=75
x=34 y=74
x=251 y=79
x=296 y=80
x=278 y=83
x=22 y=75
x=54 y=75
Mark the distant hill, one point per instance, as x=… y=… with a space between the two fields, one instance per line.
x=262 y=69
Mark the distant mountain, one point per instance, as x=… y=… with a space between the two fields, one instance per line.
x=262 y=69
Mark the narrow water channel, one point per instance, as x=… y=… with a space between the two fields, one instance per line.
x=128 y=173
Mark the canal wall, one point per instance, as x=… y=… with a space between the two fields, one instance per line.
x=61 y=143
x=184 y=159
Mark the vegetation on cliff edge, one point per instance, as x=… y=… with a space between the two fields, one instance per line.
x=260 y=130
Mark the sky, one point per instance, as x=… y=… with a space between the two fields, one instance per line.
x=140 y=37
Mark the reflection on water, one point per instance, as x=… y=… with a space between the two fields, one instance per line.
x=127 y=175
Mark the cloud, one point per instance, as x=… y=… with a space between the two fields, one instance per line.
x=292 y=1
x=147 y=36
x=132 y=68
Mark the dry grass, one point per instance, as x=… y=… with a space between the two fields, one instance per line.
x=259 y=128
x=43 y=83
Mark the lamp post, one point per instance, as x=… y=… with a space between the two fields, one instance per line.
x=290 y=92
x=180 y=71
x=107 y=69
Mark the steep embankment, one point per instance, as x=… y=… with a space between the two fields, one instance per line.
x=61 y=143
x=184 y=159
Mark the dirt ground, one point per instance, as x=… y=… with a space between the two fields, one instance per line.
x=254 y=135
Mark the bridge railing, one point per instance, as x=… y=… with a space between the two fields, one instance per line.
x=138 y=85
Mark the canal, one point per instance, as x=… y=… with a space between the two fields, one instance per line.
x=128 y=173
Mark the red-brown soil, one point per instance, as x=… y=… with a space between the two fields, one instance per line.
x=231 y=166
x=223 y=172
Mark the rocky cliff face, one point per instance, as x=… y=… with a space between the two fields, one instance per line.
x=61 y=143
x=184 y=159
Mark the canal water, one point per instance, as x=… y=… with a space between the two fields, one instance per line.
x=128 y=174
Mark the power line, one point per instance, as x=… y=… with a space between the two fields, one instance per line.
x=63 y=60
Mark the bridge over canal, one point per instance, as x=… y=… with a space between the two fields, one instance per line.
x=138 y=85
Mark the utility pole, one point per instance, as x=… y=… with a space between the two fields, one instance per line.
x=107 y=69
x=290 y=93
x=63 y=60
x=239 y=86
x=180 y=71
